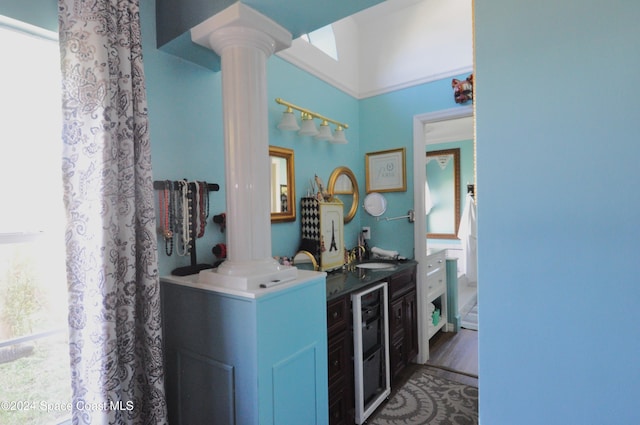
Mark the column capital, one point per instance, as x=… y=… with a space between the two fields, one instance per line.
x=240 y=25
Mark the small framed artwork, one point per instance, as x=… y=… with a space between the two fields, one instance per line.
x=385 y=171
x=331 y=235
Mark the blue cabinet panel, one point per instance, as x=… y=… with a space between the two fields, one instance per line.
x=294 y=389
x=453 y=315
x=259 y=360
x=199 y=378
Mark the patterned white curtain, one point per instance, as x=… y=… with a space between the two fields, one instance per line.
x=114 y=310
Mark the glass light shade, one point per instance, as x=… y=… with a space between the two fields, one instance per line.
x=308 y=126
x=288 y=121
x=325 y=132
x=338 y=136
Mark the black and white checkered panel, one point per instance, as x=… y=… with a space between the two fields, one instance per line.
x=310 y=226
x=310 y=218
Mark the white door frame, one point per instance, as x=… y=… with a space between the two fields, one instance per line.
x=420 y=225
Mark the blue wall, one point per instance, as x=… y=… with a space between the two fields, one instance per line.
x=40 y=13
x=386 y=123
x=185 y=111
x=185 y=117
x=311 y=157
x=558 y=222
x=557 y=219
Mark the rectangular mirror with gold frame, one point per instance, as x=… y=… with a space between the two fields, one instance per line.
x=283 y=190
x=443 y=179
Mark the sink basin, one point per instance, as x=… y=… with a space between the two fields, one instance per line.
x=374 y=266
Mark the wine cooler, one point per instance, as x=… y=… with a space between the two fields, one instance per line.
x=370 y=349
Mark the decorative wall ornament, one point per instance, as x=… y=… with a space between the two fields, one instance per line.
x=463 y=89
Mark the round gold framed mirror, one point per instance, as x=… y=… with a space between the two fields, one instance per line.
x=343 y=184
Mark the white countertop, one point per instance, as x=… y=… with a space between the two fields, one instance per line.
x=194 y=281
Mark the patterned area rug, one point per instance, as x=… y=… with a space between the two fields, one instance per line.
x=427 y=399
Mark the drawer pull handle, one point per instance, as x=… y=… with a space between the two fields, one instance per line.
x=335 y=315
x=336 y=363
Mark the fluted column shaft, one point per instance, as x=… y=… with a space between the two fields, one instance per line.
x=244 y=40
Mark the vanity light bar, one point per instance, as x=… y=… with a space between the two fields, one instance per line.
x=311 y=113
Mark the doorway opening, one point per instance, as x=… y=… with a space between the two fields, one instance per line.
x=436 y=131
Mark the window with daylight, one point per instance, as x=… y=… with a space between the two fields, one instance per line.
x=324 y=39
x=35 y=383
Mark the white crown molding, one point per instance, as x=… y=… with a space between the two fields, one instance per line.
x=422 y=80
x=294 y=60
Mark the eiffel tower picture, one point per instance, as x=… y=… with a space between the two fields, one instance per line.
x=333 y=246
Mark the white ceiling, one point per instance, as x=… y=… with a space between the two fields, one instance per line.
x=393 y=45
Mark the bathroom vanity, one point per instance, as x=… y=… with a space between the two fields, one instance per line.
x=436 y=268
x=246 y=357
x=402 y=330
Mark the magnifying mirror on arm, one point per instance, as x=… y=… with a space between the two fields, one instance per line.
x=375 y=204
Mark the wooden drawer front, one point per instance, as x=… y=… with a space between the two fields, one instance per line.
x=396 y=318
x=402 y=282
x=436 y=262
x=337 y=313
x=338 y=358
x=396 y=358
x=338 y=410
x=436 y=283
x=410 y=305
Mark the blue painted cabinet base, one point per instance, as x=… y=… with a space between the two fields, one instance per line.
x=246 y=361
x=452 y=294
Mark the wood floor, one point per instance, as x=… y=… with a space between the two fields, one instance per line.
x=454 y=356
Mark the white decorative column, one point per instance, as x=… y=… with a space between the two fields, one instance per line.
x=244 y=39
